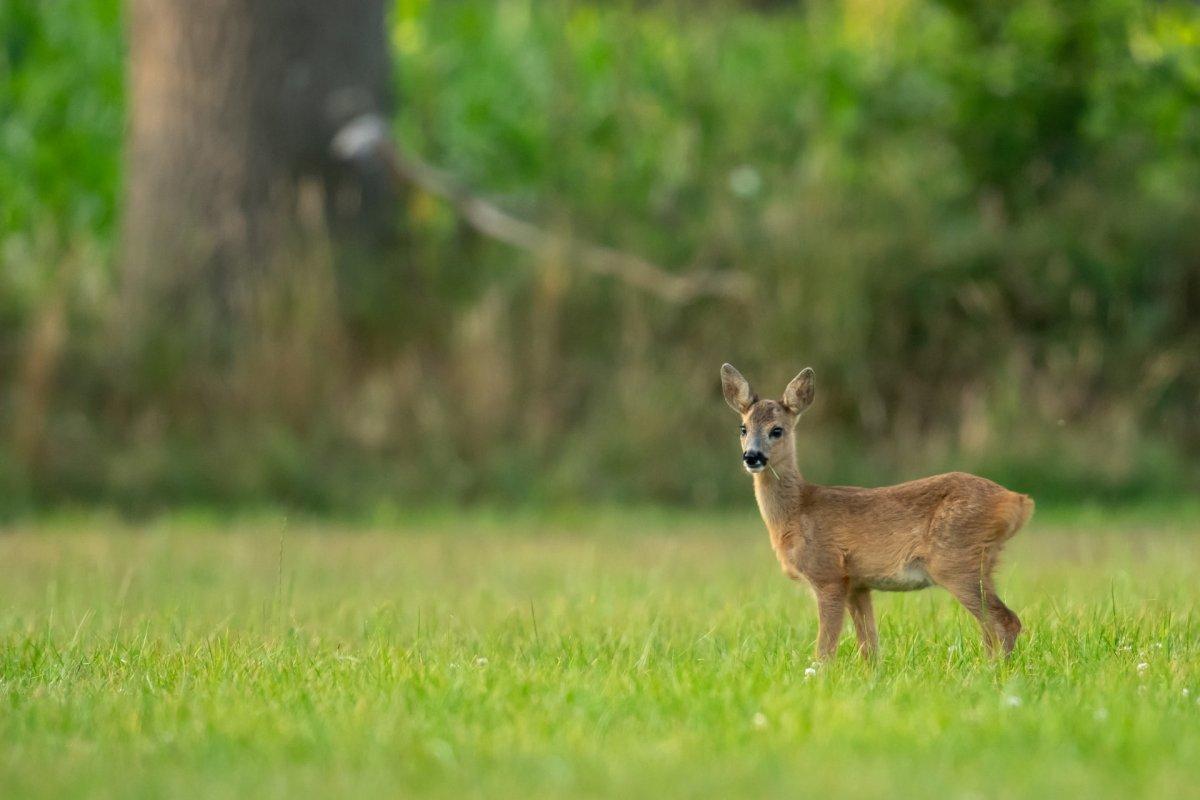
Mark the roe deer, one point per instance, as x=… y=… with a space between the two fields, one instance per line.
x=845 y=541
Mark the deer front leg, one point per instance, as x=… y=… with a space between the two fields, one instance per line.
x=831 y=611
x=858 y=601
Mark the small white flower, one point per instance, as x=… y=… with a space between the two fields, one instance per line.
x=481 y=661
x=1142 y=667
x=1011 y=700
x=1100 y=714
x=1186 y=691
x=1158 y=645
x=810 y=672
x=760 y=720
x=745 y=181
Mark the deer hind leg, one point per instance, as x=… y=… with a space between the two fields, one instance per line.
x=1006 y=623
x=858 y=602
x=999 y=624
x=831 y=611
x=968 y=593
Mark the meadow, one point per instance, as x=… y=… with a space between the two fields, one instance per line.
x=610 y=653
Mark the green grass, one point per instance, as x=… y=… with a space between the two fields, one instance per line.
x=615 y=654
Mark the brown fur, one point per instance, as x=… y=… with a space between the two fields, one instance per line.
x=846 y=541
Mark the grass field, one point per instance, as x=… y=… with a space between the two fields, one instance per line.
x=608 y=654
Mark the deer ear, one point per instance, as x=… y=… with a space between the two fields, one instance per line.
x=799 y=393
x=736 y=389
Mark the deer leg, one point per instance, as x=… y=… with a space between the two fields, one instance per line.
x=972 y=596
x=858 y=602
x=831 y=612
x=1006 y=624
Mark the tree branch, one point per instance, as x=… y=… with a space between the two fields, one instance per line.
x=367 y=136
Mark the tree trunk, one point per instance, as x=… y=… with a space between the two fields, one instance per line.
x=233 y=107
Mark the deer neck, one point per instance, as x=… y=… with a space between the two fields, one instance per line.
x=777 y=489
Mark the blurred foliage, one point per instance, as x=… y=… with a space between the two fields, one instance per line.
x=979 y=223
x=61 y=120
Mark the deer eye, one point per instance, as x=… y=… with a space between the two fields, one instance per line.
x=742 y=430
x=776 y=432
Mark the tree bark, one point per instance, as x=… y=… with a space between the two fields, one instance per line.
x=234 y=104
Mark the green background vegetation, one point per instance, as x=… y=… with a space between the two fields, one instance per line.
x=978 y=223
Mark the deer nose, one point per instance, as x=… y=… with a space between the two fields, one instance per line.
x=754 y=458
